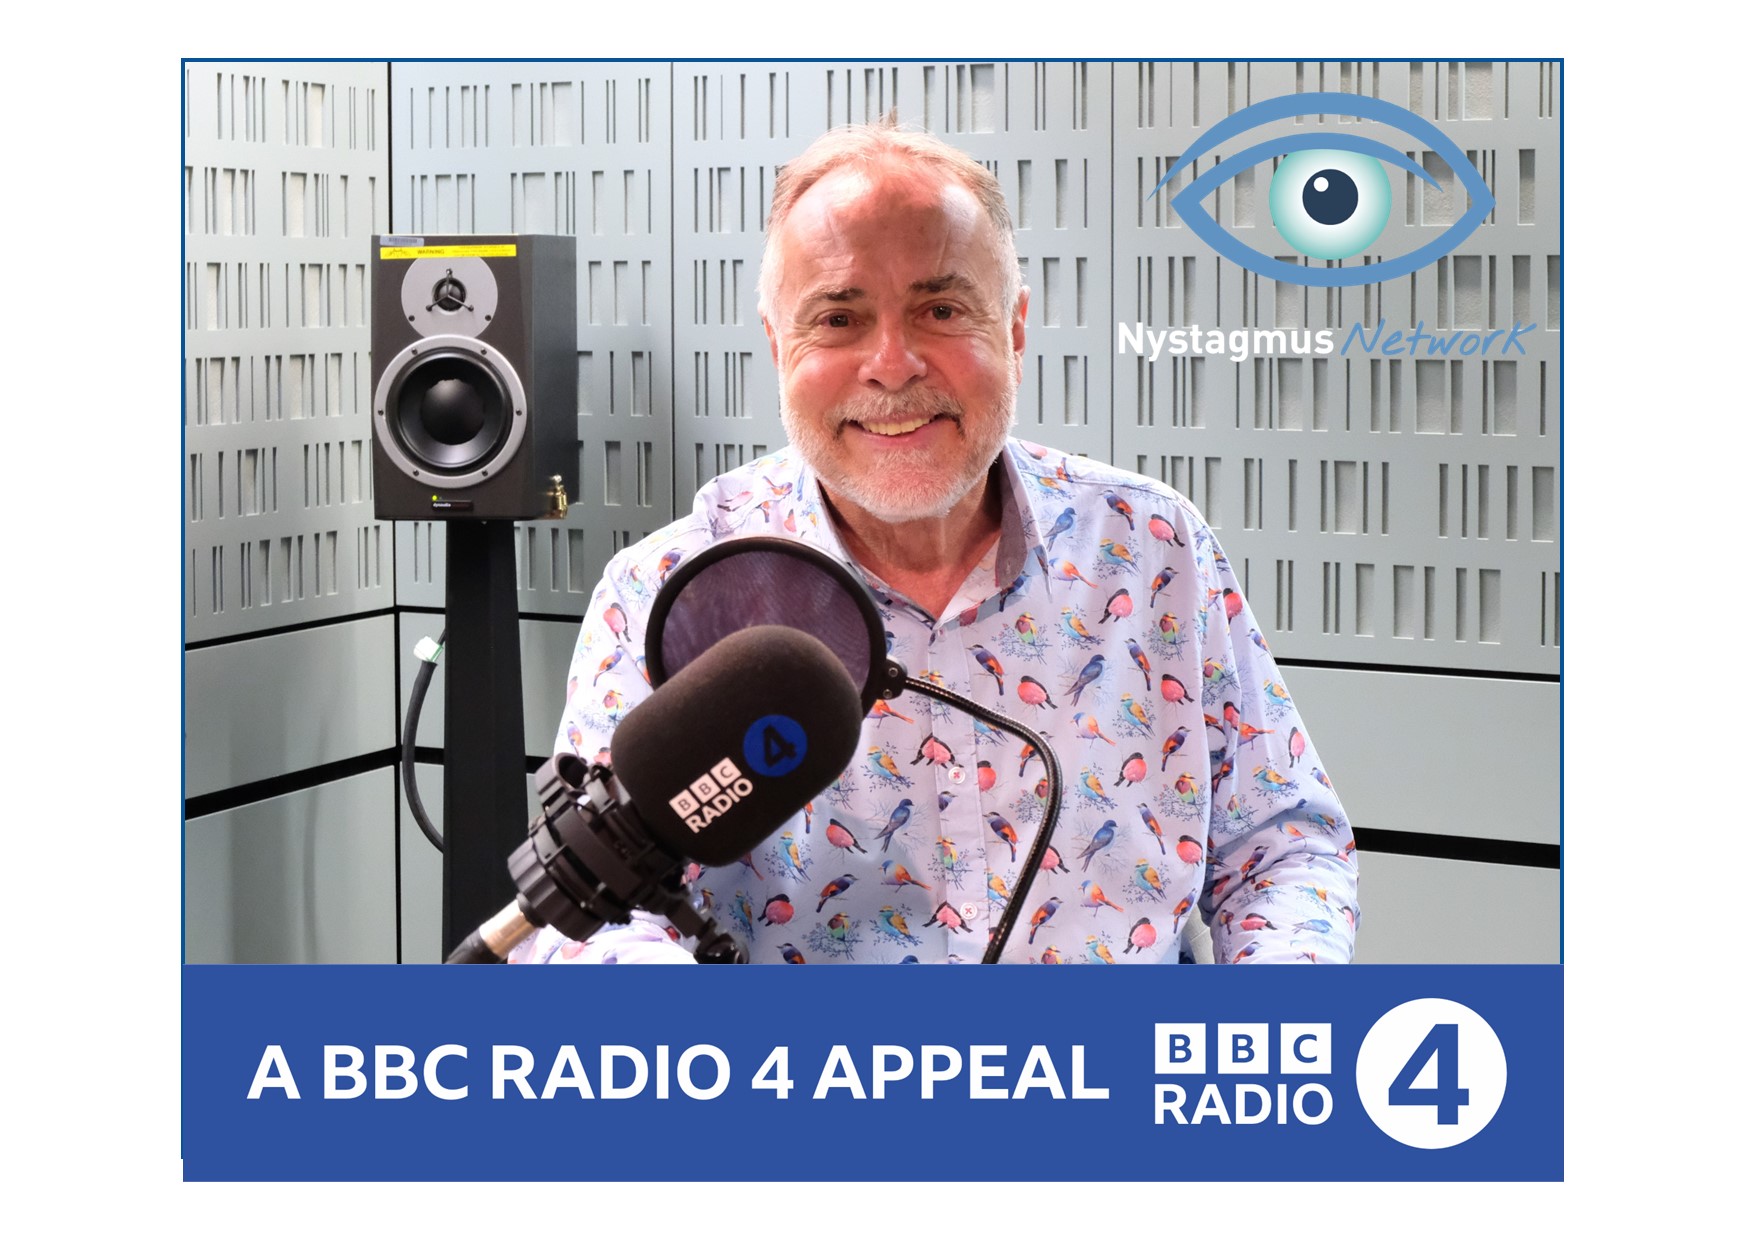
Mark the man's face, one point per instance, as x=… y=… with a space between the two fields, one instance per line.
x=898 y=358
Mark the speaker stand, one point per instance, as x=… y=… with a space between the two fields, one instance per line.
x=486 y=809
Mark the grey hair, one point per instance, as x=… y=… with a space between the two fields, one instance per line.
x=868 y=144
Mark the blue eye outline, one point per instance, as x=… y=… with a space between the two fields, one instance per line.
x=1186 y=201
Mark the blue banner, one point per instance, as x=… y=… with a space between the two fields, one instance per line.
x=878 y=1073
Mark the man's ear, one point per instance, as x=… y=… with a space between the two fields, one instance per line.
x=773 y=341
x=1018 y=320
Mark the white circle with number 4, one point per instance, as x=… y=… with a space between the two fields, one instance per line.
x=1431 y=1073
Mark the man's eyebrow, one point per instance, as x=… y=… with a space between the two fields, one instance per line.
x=831 y=294
x=938 y=284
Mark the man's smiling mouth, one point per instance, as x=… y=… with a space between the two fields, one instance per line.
x=901 y=426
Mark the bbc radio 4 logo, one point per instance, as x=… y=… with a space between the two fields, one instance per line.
x=1430 y=1073
x=1329 y=196
x=709 y=796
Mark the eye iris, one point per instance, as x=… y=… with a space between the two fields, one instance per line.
x=1330 y=196
x=1330 y=203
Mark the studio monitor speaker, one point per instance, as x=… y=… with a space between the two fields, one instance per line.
x=474 y=376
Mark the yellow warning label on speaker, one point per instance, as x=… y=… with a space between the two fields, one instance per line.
x=448 y=251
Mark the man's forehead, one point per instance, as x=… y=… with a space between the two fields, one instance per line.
x=887 y=213
x=889 y=186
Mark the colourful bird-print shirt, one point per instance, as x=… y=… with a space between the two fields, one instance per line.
x=1106 y=618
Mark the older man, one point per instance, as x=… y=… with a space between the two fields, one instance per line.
x=1093 y=604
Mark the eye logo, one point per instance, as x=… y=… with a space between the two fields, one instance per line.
x=1330 y=196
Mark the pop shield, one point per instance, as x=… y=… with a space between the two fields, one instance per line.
x=746 y=582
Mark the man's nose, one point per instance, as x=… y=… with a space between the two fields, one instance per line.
x=893 y=361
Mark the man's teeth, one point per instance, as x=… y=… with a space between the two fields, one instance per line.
x=899 y=428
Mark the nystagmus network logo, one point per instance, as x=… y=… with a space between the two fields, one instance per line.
x=1330 y=196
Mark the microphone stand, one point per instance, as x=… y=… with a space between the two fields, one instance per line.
x=587 y=863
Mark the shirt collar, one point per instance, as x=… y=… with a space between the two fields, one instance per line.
x=1022 y=517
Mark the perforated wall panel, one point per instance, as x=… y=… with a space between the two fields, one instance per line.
x=283 y=185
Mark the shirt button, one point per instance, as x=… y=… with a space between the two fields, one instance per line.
x=957 y=775
x=970 y=911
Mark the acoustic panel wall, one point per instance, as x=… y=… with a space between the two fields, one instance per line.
x=304 y=878
x=1471 y=757
x=283 y=184
x=1421 y=910
x=284 y=703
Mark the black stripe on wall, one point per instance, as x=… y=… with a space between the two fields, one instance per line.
x=1459 y=848
x=234 y=638
x=281 y=785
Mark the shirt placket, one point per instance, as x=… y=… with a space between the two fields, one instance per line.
x=961 y=844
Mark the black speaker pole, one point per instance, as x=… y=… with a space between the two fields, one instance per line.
x=485 y=803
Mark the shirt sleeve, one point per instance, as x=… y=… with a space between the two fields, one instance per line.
x=607 y=677
x=1281 y=877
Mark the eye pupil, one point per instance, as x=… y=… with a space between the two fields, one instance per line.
x=1330 y=196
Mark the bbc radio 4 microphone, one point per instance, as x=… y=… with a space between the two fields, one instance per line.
x=705 y=769
x=738 y=741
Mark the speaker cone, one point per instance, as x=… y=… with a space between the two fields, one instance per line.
x=452 y=412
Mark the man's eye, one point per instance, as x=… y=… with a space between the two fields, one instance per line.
x=943 y=313
x=839 y=318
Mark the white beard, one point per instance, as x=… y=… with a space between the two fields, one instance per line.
x=918 y=486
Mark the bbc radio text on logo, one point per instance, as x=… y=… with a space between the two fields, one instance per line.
x=1243 y=1049
x=710 y=795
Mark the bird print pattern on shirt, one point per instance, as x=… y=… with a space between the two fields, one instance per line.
x=1117 y=630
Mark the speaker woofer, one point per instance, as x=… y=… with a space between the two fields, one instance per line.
x=450 y=408
x=450 y=411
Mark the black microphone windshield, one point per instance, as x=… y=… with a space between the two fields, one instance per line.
x=736 y=742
